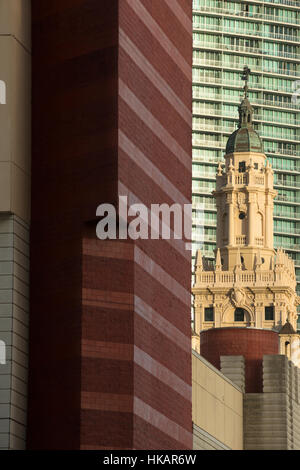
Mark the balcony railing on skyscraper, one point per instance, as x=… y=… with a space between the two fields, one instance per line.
x=212 y=80
x=286 y=19
x=202 y=189
x=236 y=99
x=279 y=212
x=204 y=174
x=286 y=231
x=207 y=206
x=203 y=111
x=288 y=198
x=292 y=3
x=208 y=143
x=202 y=141
x=247 y=49
x=228 y=130
x=287 y=184
x=248 y=32
x=200 y=237
x=286 y=245
x=282 y=152
x=208 y=127
x=238 y=66
x=207 y=158
x=292 y=169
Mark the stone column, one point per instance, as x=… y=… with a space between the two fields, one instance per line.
x=269 y=226
x=218 y=314
x=220 y=227
x=259 y=315
x=198 y=317
x=251 y=220
x=230 y=220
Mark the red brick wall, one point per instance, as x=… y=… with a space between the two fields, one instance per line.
x=253 y=344
x=110 y=359
x=74 y=145
x=155 y=57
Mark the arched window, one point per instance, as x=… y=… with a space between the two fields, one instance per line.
x=239 y=314
x=287 y=348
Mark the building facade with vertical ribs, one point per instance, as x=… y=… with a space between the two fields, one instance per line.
x=15 y=163
x=110 y=353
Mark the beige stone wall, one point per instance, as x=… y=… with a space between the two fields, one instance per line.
x=204 y=441
x=217 y=406
x=250 y=290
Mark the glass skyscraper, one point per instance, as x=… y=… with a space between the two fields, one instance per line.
x=265 y=36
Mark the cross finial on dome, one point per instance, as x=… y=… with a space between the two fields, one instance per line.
x=245 y=108
x=245 y=77
x=245 y=138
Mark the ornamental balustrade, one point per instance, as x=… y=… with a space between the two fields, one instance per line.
x=245 y=278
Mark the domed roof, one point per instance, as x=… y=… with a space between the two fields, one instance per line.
x=245 y=139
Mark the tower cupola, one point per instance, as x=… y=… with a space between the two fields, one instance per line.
x=245 y=138
x=245 y=196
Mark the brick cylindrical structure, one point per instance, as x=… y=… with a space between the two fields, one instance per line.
x=251 y=343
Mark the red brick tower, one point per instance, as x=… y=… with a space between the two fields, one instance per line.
x=110 y=354
x=251 y=343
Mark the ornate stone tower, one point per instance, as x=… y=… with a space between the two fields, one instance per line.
x=244 y=198
x=251 y=284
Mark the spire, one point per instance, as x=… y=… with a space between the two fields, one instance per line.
x=199 y=261
x=238 y=264
x=291 y=266
x=245 y=138
x=268 y=168
x=286 y=264
x=251 y=164
x=220 y=169
x=245 y=108
x=258 y=261
x=245 y=77
x=218 y=261
x=279 y=258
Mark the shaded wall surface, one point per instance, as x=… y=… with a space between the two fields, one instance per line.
x=272 y=418
x=110 y=358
